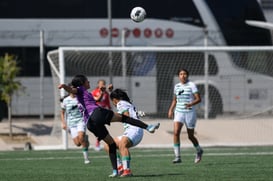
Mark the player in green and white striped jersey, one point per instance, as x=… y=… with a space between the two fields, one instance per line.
x=72 y=118
x=182 y=109
x=131 y=136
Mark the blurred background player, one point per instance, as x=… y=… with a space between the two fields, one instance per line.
x=72 y=118
x=132 y=135
x=185 y=97
x=101 y=96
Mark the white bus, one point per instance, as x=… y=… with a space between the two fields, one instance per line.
x=234 y=83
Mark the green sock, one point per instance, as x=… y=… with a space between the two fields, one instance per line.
x=197 y=147
x=85 y=153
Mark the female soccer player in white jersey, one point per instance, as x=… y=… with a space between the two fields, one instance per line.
x=132 y=135
x=73 y=118
x=182 y=108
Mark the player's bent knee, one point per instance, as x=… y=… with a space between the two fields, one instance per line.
x=81 y=139
x=77 y=144
x=122 y=146
x=77 y=141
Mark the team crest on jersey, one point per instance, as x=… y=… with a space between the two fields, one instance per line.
x=180 y=92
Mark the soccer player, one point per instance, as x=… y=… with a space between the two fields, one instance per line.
x=96 y=117
x=72 y=117
x=132 y=135
x=101 y=96
x=182 y=109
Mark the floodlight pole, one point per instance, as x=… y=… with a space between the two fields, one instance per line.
x=42 y=75
x=110 y=62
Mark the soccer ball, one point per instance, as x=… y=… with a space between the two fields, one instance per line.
x=138 y=14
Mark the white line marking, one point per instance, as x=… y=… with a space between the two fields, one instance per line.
x=140 y=155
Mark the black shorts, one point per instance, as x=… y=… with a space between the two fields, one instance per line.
x=97 y=120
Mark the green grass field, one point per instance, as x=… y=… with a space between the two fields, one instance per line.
x=220 y=163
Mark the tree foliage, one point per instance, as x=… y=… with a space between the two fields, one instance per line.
x=8 y=72
x=8 y=85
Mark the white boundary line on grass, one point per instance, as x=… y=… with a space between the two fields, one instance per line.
x=186 y=145
x=140 y=155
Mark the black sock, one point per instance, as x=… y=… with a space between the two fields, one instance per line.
x=134 y=122
x=113 y=155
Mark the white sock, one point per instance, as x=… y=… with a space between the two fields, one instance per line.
x=119 y=162
x=176 y=148
x=126 y=162
x=85 y=154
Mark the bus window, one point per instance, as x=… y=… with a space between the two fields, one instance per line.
x=237 y=32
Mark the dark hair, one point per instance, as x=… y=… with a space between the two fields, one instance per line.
x=62 y=98
x=120 y=95
x=78 y=80
x=185 y=70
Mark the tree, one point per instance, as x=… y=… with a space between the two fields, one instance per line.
x=8 y=85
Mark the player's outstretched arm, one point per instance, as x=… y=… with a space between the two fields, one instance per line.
x=68 y=88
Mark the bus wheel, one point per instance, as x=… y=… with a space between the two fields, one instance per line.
x=215 y=105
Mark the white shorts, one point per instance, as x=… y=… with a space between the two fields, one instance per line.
x=187 y=118
x=134 y=135
x=74 y=130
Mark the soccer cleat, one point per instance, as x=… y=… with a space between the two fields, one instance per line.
x=120 y=170
x=87 y=161
x=126 y=173
x=177 y=160
x=198 y=156
x=152 y=127
x=97 y=146
x=114 y=174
